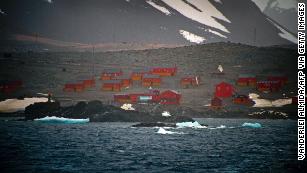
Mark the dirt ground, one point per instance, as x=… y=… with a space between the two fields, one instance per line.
x=48 y=72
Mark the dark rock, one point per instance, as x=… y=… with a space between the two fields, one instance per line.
x=158 y=124
x=40 y=110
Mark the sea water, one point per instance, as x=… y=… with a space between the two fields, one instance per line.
x=225 y=146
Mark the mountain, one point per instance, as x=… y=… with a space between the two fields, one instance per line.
x=163 y=23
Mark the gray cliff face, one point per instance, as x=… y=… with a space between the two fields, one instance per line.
x=136 y=21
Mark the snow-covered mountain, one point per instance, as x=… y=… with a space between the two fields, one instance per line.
x=147 y=22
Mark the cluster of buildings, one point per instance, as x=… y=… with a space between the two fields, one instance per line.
x=272 y=83
x=116 y=80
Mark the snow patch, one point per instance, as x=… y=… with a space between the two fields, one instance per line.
x=268 y=103
x=127 y=107
x=2 y=12
x=61 y=120
x=218 y=1
x=49 y=1
x=14 y=105
x=220 y=68
x=166 y=114
x=284 y=34
x=158 y=7
x=252 y=125
x=206 y=16
x=192 y=37
x=216 y=33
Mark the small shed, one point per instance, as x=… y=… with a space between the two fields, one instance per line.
x=110 y=74
x=189 y=81
x=278 y=77
x=216 y=103
x=247 y=80
x=224 y=90
x=10 y=86
x=151 y=80
x=137 y=74
x=88 y=81
x=242 y=100
x=170 y=97
x=269 y=86
x=111 y=85
x=79 y=87
x=122 y=98
x=164 y=71
x=69 y=87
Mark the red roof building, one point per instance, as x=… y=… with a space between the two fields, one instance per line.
x=189 y=81
x=170 y=97
x=216 y=103
x=69 y=87
x=269 y=86
x=278 y=77
x=164 y=71
x=10 y=86
x=242 y=100
x=151 y=80
x=138 y=74
x=247 y=80
x=122 y=98
x=224 y=90
x=111 y=85
x=110 y=74
x=125 y=81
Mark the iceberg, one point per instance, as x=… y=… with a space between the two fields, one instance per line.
x=252 y=125
x=194 y=124
x=61 y=120
x=163 y=131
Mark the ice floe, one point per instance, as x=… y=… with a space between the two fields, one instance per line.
x=194 y=124
x=61 y=120
x=252 y=125
x=163 y=131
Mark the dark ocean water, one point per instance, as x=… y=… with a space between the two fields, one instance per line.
x=116 y=147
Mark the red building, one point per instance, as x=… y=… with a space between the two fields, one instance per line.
x=87 y=81
x=216 y=103
x=247 y=80
x=10 y=86
x=164 y=71
x=242 y=100
x=79 y=87
x=110 y=74
x=224 y=89
x=269 y=86
x=125 y=81
x=122 y=98
x=151 y=80
x=111 y=85
x=189 y=81
x=170 y=97
x=69 y=87
x=138 y=74
x=278 y=77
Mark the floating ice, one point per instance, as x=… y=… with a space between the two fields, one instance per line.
x=166 y=114
x=252 y=125
x=61 y=120
x=163 y=131
x=194 y=124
